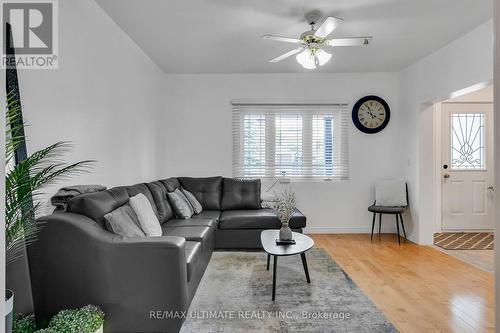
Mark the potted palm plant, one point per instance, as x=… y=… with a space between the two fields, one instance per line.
x=24 y=183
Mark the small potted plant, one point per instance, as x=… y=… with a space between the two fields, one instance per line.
x=89 y=319
x=284 y=207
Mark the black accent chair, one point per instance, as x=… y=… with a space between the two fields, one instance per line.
x=391 y=210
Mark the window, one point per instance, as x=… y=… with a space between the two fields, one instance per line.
x=305 y=141
x=467 y=141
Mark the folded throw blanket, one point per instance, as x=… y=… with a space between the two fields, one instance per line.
x=65 y=194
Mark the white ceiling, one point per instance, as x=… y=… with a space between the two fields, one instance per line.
x=223 y=36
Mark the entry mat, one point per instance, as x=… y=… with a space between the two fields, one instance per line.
x=464 y=240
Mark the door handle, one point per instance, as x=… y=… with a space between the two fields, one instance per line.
x=491 y=188
x=446 y=175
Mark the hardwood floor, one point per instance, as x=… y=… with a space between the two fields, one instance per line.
x=419 y=288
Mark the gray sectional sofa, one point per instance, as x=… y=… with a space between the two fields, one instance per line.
x=137 y=281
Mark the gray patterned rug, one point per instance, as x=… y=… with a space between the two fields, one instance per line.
x=235 y=296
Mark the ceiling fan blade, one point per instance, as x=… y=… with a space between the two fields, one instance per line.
x=282 y=39
x=327 y=27
x=355 y=41
x=286 y=55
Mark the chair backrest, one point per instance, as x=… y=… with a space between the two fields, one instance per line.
x=391 y=193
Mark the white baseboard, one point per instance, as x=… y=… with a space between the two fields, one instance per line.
x=345 y=230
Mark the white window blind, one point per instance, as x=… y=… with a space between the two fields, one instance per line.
x=306 y=141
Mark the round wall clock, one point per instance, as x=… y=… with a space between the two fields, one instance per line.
x=371 y=114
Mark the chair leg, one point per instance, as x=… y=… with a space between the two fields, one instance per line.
x=373 y=224
x=379 y=224
x=268 y=260
x=402 y=224
x=397 y=225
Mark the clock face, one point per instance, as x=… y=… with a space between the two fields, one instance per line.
x=371 y=114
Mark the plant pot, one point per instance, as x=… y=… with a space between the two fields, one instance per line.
x=285 y=232
x=9 y=310
x=100 y=329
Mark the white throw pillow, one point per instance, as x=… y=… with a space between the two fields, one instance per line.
x=391 y=193
x=147 y=218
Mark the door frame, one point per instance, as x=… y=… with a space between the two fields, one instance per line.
x=436 y=107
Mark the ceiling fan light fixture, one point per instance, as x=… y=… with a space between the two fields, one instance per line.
x=311 y=59
x=306 y=59
x=323 y=57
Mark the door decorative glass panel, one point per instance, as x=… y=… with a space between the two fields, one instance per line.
x=467 y=141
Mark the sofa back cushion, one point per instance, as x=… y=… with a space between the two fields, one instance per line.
x=133 y=190
x=171 y=184
x=96 y=205
x=159 y=193
x=240 y=194
x=207 y=190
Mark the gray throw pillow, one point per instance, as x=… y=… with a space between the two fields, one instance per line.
x=182 y=207
x=123 y=221
x=193 y=201
x=147 y=218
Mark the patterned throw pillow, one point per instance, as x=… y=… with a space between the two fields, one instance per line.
x=182 y=207
x=193 y=201
x=123 y=221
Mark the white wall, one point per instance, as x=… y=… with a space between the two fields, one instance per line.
x=197 y=132
x=465 y=62
x=105 y=98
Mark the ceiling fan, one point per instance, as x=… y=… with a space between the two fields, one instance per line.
x=312 y=43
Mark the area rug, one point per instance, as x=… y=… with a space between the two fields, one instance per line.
x=235 y=296
x=464 y=240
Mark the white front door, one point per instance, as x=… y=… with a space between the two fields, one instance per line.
x=467 y=166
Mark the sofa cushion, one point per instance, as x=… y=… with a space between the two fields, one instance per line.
x=240 y=194
x=182 y=207
x=195 y=233
x=96 y=205
x=207 y=214
x=193 y=251
x=202 y=234
x=206 y=190
x=159 y=193
x=171 y=184
x=123 y=221
x=133 y=190
x=207 y=218
x=193 y=222
x=257 y=219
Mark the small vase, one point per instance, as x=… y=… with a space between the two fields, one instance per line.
x=285 y=232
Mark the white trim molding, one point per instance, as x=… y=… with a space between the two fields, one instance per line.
x=386 y=228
